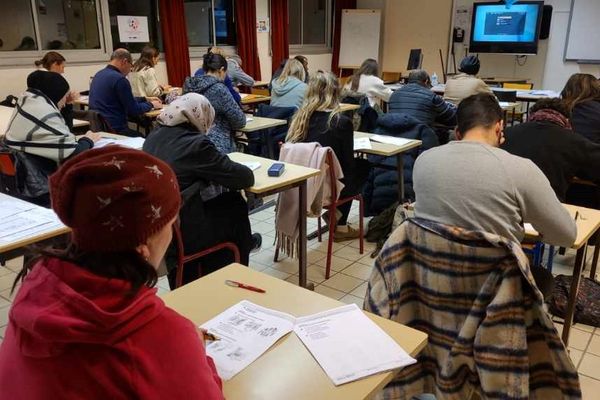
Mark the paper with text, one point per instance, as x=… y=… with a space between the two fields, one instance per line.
x=133 y=143
x=391 y=140
x=362 y=143
x=246 y=331
x=20 y=220
x=348 y=345
x=253 y=165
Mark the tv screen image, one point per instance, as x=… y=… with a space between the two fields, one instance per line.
x=498 y=28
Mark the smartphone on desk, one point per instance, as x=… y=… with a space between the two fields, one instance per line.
x=276 y=169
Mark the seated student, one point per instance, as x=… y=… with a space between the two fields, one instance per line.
x=236 y=73
x=548 y=140
x=111 y=95
x=229 y=116
x=466 y=83
x=55 y=62
x=303 y=60
x=366 y=81
x=227 y=81
x=91 y=311
x=417 y=100
x=289 y=89
x=472 y=184
x=213 y=210
x=582 y=96
x=39 y=130
x=319 y=120
x=143 y=75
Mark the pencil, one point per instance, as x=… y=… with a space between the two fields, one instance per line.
x=210 y=337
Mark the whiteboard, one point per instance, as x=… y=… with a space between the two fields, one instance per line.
x=359 y=37
x=583 y=36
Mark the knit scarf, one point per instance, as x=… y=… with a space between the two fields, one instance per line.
x=552 y=116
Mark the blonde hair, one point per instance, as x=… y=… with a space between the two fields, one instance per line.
x=293 y=68
x=323 y=94
x=216 y=50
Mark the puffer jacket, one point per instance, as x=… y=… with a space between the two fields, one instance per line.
x=229 y=117
x=381 y=189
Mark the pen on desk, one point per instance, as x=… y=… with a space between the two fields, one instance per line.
x=244 y=286
x=576 y=215
x=210 y=337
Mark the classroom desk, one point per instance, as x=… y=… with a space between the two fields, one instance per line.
x=587 y=224
x=31 y=235
x=80 y=123
x=389 y=150
x=260 y=84
x=294 y=176
x=248 y=99
x=258 y=123
x=287 y=370
x=522 y=95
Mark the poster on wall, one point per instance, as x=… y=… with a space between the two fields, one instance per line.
x=262 y=25
x=133 y=29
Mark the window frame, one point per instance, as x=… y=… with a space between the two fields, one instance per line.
x=315 y=48
x=74 y=56
x=199 y=51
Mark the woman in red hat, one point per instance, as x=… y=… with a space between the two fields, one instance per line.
x=86 y=322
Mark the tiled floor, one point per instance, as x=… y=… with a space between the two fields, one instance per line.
x=348 y=282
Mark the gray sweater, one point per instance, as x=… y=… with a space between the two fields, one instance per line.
x=480 y=187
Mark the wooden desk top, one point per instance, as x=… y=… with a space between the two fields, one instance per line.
x=261 y=83
x=348 y=107
x=5 y=115
x=587 y=224
x=287 y=370
x=79 y=123
x=264 y=183
x=258 y=123
x=255 y=98
x=385 y=149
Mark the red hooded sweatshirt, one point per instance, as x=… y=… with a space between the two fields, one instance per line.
x=75 y=335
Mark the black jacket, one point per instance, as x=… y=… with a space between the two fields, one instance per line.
x=560 y=153
x=586 y=120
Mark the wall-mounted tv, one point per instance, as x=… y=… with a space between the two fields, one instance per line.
x=499 y=28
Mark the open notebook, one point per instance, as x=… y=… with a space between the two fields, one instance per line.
x=343 y=340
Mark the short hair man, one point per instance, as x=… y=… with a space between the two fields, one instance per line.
x=548 y=140
x=111 y=95
x=473 y=184
x=466 y=83
x=417 y=100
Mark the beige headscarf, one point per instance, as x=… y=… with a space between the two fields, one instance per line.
x=191 y=107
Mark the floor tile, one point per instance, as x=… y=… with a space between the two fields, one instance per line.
x=3 y=330
x=15 y=265
x=594 y=346
x=349 y=299
x=337 y=263
x=315 y=255
x=287 y=265
x=590 y=366
x=256 y=266
x=5 y=270
x=263 y=228
x=7 y=280
x=349 y=253
x=275 y=273
x=360 y=291
x=329 y=292
x=4 y=315
x=264 y=257
x=322 y=246
x=589 y=387
x=575 y=356
x=7 y=295
x=359 y=271
x=4 y=302
x=316 y=273
x=579 y=339
x=344 y=283
x=368 y=246
x=296 y=280
x=585 y=328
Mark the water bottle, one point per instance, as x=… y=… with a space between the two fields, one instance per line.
x=434 y=79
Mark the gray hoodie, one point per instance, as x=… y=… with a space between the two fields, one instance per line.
x=290 y=93
x=236 y=73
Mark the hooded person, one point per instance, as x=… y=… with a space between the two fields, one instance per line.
x=38 y=129
x=289 y=89
x=86 y=322
x=466 y=83
x=213 y=210
x=236 y=73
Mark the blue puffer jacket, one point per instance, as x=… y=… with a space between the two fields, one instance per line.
x=381 y=189
x=229 y=117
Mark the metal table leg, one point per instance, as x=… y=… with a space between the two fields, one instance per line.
x=302 y=256
x=577 y=270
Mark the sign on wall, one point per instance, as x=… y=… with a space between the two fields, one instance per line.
x=133 y=29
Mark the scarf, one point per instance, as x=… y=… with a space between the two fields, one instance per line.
x=552 y=116
x=191 y=107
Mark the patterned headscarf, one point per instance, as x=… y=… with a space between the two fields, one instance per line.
x=552 y=116
x=191 y=107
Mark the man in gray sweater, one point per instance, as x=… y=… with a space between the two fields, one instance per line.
x=473 y=184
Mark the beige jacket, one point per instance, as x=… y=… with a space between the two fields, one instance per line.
x=462 y=86
x=144 y=83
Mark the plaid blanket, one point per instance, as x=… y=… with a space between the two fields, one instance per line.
x=473 y=294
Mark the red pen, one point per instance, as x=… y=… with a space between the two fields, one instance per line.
x=244 y=286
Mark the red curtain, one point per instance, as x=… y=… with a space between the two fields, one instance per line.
x=247 y=47
x=339 y=6
x=280 y=49
x=175 y=42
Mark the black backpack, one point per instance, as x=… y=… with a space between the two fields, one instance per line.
x=380 y=227
x=587 y=307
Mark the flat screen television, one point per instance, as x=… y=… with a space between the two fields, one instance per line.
x=498 y=28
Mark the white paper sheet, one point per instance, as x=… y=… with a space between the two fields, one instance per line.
x=134 y=142
x=362 y=143
x=20 y=219
x=246 y=331
x=253 y=165
x=530 y=230
x=391 y=140
x=348 y=345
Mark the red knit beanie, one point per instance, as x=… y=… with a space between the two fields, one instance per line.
x=114 y=198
